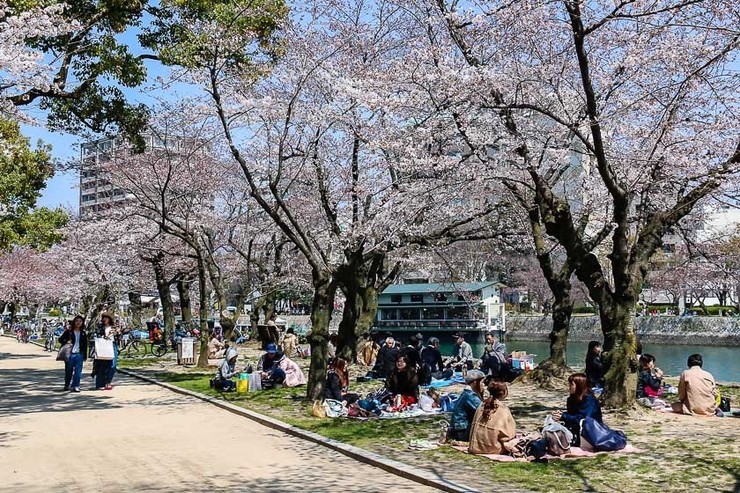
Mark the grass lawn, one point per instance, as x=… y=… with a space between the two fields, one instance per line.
x=680 y=453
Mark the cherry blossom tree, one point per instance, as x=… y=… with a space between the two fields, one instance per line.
x=640 y=96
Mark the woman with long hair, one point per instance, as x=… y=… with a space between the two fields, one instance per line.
x=594 y=366
x=581 y=404
x=75 y=335
x=404 y=380
x=337 y=382
x=493 y=424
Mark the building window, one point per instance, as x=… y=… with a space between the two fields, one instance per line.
x=396 y=298
x=440 y=297
x=458 y=313
x=460 y=297
x=432 y=313
x=409 y=314
x=417 y=298
x=388 y=314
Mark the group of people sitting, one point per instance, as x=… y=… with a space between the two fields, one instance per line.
x=274 y=368
x=428 y=363
x=697 y=390
x=487 y=424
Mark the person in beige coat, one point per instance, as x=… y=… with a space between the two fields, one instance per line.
x=493 y=424
x=290 y=342
x=697 y=392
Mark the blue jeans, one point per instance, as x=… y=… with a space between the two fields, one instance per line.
x=112 y=371
x=73 y=366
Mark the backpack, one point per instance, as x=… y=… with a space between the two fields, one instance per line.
x=558 y=437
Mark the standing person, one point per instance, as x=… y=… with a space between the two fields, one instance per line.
x=493 y=424
x=650 y=379
x=594 y=366
x=73 y=366
x=290 y=342
x=697 y=391
x=105 y=369
x=581 y=404
x=386 y=360
x=369 y=351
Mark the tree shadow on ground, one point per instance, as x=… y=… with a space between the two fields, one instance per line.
x=26 y=391
x=4 y=356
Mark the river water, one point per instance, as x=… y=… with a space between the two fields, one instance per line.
x=722 y=362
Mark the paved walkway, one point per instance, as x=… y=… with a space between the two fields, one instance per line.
x=141 y=437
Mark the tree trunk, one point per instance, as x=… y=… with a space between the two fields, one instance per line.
x=96 y=305
x=203 y=314
x=183 y=291
x=346 y=337
x=562 y=309
x=165 y=298
x=321 y=309
x=620 y=349
x=134 y=309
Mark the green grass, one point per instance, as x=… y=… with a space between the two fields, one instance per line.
x=686 y=462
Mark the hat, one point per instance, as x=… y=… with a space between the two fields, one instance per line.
x=474 y=375
x=110 y=317
x=272 y=348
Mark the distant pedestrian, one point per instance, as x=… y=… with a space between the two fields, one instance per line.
x=73 y=366
x=105 y=369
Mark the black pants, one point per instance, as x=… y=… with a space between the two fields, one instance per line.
x=225 y=385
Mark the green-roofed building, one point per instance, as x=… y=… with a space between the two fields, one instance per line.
x=440 y=307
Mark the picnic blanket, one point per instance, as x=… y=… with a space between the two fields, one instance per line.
x=575 y=453
x=410 y=413
x=440 y=383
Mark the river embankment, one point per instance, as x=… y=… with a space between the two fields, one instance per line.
x=706 y=331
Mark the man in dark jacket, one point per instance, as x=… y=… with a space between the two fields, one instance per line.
x=386 y=360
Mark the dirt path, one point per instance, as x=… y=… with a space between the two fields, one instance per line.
x=143 y=438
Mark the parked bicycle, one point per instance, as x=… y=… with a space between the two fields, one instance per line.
x=131 y=345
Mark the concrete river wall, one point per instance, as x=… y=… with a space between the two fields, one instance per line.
x=705 y=331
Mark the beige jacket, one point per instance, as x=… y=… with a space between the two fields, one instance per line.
x=696 y=393
x=289 y=344
x=488 y=437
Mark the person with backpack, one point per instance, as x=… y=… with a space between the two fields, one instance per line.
x=493 y=425
x=581 y=404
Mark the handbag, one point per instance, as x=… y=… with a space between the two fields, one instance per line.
x=558 y=437
x=64 y=352
x=103 y=349
x=334 y=409
x=601 y=437
x=317 y=410
x=725 y=405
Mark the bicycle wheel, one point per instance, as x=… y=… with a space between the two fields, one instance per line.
x=134 y=348
x=159 y=350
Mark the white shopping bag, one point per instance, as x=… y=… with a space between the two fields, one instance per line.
x=103 y=348
x=255 y=382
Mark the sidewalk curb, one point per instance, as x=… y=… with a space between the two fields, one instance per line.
x=367 y=457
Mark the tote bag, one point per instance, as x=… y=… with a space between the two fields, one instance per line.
x=64 y=352
x=103 y=348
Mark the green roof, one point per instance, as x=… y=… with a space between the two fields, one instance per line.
x=457 y=287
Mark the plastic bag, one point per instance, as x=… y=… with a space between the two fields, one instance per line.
x=601 y=437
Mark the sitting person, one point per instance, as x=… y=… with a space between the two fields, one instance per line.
x=463 y=353
x=430 y=401
x=697 y=391
x=493 y=425
x=493 y=360
x=386 y=360
x=594 y=366
x=404 y=381
x=581 y=404
x=226 y=371
x=337 y=382
x=465 y=407
x=650 y=379
x=277 y=369
x=216 y=348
